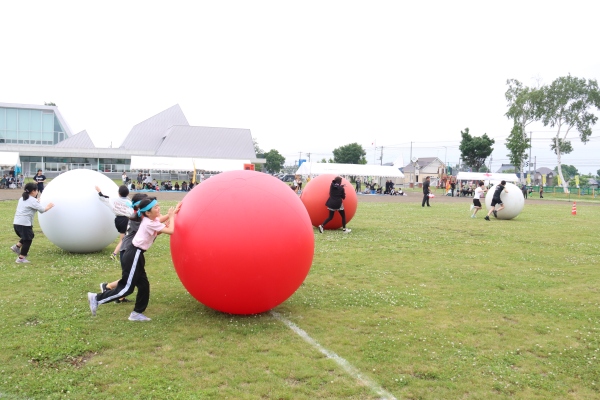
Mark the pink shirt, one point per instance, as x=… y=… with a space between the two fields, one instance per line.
x=147 y=232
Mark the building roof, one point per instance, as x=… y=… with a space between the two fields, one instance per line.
x=166 y=134
x=149 y=134
x=506 y=167
x=80 y=140
x=206 y=142
x=543 y=170
x=423 y=162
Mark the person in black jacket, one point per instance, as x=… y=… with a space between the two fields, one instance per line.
x=334 y=203
x=426 y=192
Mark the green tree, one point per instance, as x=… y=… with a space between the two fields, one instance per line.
x=569 y=171
x=259 y=152
x=568 y=104
x=474 y=150
x=274 y=161
x=523 y=109
x=517 y=144
x=584 y=180
x=352 y=153
x=598 y=173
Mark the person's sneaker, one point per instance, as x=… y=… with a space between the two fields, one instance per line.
x=104 y=287
x=113 y=256
x=134 y=316
x=321 y=228
x=495 y=214
x=347 y=230
x=23 y=260
x=16 y=249
x=472 y=216
x=93 y=303
x=487 y=218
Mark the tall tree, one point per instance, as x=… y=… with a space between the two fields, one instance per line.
x=523 y=109
x=569 y=104
x=259 y=152
x=352 y=153
x=474 y=150
x=274 y=161
x=569 y=171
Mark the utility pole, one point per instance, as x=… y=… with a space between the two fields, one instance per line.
x=381 y=159
x=530 y=154
x=308 y=154
x=446 y=160
x=411 y=162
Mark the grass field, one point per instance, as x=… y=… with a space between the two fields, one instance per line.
x=424 y=303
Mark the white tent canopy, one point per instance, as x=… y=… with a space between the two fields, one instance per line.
x=186 y=164
x=486 y=176
x=309 y=168
x=9 y=159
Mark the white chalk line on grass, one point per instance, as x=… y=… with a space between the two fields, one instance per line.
x=353 y=372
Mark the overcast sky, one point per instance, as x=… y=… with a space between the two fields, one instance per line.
x=305 y=76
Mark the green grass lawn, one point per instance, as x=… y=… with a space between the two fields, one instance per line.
x=426 y=303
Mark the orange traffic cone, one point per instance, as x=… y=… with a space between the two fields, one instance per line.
x=574 y=209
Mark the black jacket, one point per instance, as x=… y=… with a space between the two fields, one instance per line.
x=336 y=195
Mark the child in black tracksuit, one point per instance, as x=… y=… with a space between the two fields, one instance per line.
x=133 y=261
x=335 y=203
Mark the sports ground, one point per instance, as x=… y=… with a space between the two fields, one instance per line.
x=417 y=303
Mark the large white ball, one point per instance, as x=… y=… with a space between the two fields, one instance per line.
x=79 y=221
x=513 y=201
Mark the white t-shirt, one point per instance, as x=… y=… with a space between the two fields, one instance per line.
x=479 y=194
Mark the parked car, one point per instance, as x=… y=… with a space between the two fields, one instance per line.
x=287 y=178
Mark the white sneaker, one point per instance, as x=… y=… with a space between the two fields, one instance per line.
x=321 y=228
x=472 y=216
x=23 y=260
x=347 y=230
x=16 y=249
x=134 y=316
x=93 y=303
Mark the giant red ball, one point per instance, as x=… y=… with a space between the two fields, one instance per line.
x=315 y=195
x=243 y=242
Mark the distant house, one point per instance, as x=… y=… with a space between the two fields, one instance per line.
x=537 y=176
x=506 y=168
x=422 y=168
x=593 y=183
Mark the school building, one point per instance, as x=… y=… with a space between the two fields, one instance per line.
x=43 y=140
